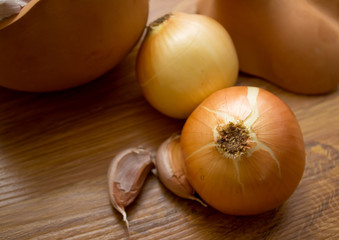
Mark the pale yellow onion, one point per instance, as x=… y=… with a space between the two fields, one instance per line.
x=253 y=172
x=183 y=59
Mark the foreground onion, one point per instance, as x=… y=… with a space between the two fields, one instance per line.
x=183 y=59
x=243 y=150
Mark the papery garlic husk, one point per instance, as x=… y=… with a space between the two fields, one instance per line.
x=8 y=8
x=183 y=59
x=126 y=175
x=243 y=150
x=170 y=169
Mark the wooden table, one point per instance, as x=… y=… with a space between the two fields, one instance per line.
x=55 y=149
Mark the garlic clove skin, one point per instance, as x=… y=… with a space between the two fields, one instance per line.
x=170 y=169
x=126 y=176
x=9 y=8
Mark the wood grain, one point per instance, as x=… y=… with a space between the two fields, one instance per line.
x=55 y=149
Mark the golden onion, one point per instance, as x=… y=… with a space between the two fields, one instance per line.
x=243 y=150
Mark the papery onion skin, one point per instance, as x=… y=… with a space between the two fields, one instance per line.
x=183 y=60
x=253 y=183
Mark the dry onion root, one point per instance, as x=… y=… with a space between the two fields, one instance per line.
x=183 y=59
x=243 y=151
x=126 y=175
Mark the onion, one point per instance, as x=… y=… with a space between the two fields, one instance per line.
x=293 y=44
x=183 y=59
x=58 y=44
x=243 y=150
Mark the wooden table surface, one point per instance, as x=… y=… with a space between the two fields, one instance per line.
x=55 y=149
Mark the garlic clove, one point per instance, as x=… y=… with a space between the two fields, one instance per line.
x=126 y=176
x=9 y=8
x=170 y=169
